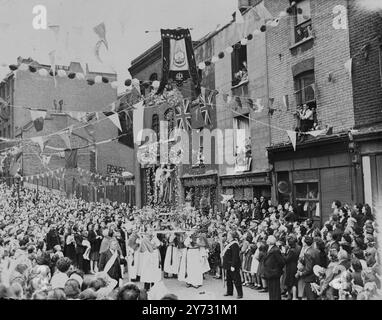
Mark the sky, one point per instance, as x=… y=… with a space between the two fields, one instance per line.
x=126 y=22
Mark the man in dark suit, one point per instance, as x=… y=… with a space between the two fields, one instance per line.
x=310 y=259
x=231 y=263
x=273 y=268
x=110 y=261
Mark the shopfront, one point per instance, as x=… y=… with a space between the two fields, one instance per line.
x=200 y=191
x=246 y=186
x=316 y=174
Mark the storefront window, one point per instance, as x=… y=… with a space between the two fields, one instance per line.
x=307 y=199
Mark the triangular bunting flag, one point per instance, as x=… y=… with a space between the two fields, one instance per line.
x=238 y=17
x=41 y=141
x=38 y=117
x=238 y=101
x=250 y=103
x=114 y=117
x=66 y=137
x=258 y=106
x=71 y=159
x=286 y=101
x=293 y=138
x=348 y=67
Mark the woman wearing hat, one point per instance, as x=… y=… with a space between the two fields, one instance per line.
x=291 y=260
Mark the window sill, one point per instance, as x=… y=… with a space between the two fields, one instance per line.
x=310 y=38
x=240 y=84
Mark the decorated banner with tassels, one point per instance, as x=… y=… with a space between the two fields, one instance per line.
x=179 y=62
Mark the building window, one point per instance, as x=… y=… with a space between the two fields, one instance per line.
x=242 y=144
x=307 y=199
x=303 y=21
x=241 y=133
x=239 y=65
x=304 y=84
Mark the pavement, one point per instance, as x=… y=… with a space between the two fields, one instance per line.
x=212 y=289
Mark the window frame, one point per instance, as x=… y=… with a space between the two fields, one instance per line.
x=237 y=60
x=236 y=121
x=304 y=200
x=297 y=25
x=301 y=87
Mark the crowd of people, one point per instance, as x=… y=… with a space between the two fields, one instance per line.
x=56 y=248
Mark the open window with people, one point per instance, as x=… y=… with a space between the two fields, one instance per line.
x=306 y=101
x=239 y=65
x=302 y=21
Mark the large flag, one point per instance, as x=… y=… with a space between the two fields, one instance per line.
x=179 y=62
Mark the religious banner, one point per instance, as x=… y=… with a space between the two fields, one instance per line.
x=179 y=62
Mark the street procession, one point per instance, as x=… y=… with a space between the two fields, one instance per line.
x=232 y=151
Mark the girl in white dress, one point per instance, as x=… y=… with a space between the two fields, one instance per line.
x=151 y=268
x=203 y=244
x=172 y=259
x=190 y=270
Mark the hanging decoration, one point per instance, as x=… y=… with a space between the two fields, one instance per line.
x=41 y=141
x=293 y=138
x=178 y=58
x=38 y=117
x=71 y=159
x=114 y=117
x=348 y=67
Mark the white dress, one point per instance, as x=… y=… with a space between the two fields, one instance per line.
x=172 y=260
x=190 y=270
x=255 y=262
x=132 y=263
x=204 y=259
x=150 y=268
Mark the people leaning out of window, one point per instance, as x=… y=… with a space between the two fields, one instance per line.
x=306 y=116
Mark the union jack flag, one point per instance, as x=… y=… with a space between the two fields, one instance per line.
x=206 y=104
x=183 y=115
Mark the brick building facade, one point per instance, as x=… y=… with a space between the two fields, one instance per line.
x=327 y=57
x=32 y=90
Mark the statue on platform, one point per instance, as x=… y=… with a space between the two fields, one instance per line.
x=163 y=184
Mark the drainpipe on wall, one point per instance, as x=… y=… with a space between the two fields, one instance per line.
x=273 y=178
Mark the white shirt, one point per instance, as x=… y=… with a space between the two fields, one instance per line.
x=58 y=280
